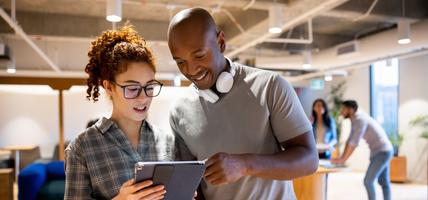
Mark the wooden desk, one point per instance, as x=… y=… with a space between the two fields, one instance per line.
x=6 y=182
x=314 y=187
x=16 y=150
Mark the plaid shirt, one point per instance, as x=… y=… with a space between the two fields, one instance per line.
x=101 y=159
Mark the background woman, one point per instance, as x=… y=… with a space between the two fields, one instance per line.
x=324 y=127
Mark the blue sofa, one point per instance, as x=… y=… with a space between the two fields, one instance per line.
x=42 y=181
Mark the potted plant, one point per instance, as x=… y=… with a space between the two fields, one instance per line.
x=396 y=141
x=398 y=164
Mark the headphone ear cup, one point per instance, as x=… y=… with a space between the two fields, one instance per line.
x=224 y=82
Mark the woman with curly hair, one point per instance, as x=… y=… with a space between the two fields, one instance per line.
x=100 y=161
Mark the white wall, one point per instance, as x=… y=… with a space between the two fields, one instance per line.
x=414 y=102
x=28 y=116
x=78 y=110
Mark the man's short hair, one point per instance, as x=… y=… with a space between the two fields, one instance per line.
x=350 y=104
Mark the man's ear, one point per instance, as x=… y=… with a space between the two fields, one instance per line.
x=108 y=87
x=221 y=42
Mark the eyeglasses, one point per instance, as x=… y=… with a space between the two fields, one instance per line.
x=151 y=89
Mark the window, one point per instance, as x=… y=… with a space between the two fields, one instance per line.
x=384 y=78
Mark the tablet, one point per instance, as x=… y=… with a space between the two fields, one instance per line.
x=180 y=178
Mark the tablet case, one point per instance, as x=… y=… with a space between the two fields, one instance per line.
x=181 y=179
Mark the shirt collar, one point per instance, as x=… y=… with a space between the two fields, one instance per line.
x=103 y=124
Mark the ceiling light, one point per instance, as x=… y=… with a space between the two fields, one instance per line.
x=11 y=67
x=403 y=32
x=275 y=30
x=404 y=41
x=403 y=26
x=114 y=10
x=306 y=66
x=11 y=70
x=275 y=19
x=328 y=78
x=307 y=60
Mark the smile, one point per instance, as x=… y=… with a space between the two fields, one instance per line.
x=201 y=76
x=140 y=108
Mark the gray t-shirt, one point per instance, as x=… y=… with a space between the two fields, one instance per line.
x=363 y=126
x=261 y=111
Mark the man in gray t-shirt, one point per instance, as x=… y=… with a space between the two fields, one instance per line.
x=247 y=122
x=363 y=126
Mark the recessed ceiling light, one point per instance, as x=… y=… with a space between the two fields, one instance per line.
x=307 y=60
x=11 y=70
x=275 y=30
x=404 y=41
x=306 y=66
x=403 y=27
x=114 y=10
x=328 y=78
x=275 y=19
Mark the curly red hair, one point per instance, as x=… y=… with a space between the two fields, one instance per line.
x=110 y=54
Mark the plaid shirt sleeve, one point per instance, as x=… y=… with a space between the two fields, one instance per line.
x=77 y=183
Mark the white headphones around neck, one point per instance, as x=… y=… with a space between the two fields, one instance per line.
x=223 y=84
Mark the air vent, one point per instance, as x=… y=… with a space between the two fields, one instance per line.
x=347 y=49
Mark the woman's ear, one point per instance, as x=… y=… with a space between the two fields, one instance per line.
x=108 y=87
